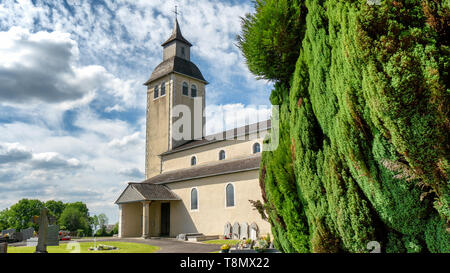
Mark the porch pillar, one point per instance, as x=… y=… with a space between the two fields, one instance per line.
x=145 y=220
x=121 y=222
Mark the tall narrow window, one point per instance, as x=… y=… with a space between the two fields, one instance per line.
x=183 y=53
x=222 y=155
x=193 y=161
x=194 y=199
x=163 y=89
x=185 y=89
x=256 y=148
x=194 y=91
x=230 y=195
x=156 y=93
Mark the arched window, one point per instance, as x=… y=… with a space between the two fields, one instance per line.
x=185 y=89
x=156 y=93
x=194 y=91
x=256 y=148
x=222 y=155
x=163 y=89
x=194 y=199
x=193 y=161
x=230 y=195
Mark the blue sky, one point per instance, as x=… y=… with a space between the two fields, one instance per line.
x=72 y=100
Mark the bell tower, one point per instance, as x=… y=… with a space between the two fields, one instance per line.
x=175 y=93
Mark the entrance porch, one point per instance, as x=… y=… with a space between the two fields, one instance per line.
x=144 y=210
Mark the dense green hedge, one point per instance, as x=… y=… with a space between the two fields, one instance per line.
x=364 y=121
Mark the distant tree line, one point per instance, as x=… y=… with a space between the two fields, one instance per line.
x=73 y=217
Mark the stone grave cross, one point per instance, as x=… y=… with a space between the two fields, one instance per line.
x=43 y=220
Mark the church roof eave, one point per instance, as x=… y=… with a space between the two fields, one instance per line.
x=232 y=134
x=250 y=163
x=179 y=66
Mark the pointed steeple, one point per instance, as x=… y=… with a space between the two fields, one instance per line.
x=176 y=36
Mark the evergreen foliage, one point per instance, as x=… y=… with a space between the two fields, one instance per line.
x=364 y=149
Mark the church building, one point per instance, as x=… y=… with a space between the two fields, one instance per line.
x=198 y=185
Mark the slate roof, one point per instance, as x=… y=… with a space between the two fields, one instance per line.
x=176 y=65
x=176 y=35
x=207 y=170
x=232 y=134
x=138 y=192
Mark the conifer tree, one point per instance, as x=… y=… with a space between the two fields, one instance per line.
x=364 y=145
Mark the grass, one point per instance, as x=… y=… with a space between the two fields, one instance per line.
x=222 y=242
x=63 y=248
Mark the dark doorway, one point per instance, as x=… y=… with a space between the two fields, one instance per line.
x=165 y=219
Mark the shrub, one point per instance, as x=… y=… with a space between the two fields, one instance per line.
x=364 y=123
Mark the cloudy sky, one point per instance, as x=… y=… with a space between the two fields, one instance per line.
x=72 y=100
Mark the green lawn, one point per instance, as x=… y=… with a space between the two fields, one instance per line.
x=222 y=242
x=63 y=248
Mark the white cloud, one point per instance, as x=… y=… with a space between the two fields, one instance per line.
x=53 y=161
x=42 y=68
x=125 y=141
x=13 y=153
x=132 y=173
x=38 y=67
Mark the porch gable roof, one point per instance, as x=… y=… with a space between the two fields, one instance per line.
x=139 y=192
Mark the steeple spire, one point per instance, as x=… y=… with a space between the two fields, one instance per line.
x=176 y=34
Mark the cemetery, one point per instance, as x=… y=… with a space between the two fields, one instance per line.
x=250 y=240
x=49 y=236
x=236 y=238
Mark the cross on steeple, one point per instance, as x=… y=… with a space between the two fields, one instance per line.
x=176 y=12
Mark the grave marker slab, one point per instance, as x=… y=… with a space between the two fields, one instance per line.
x=27 y=233
x=10 y=231
x=53 y=235
x=236 y=231
x=254 y=231
x=227 y=229
x=244 y=231
x=18 y=236
x=3 y=248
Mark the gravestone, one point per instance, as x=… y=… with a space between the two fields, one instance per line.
x=43 y=225
x=3 y=248
x=10 y=232
x=254 y=231
x=27 y=233
x=244 y=231
x=227 y=230
x=236 y=231
x=18 y=236
x=53 y=235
